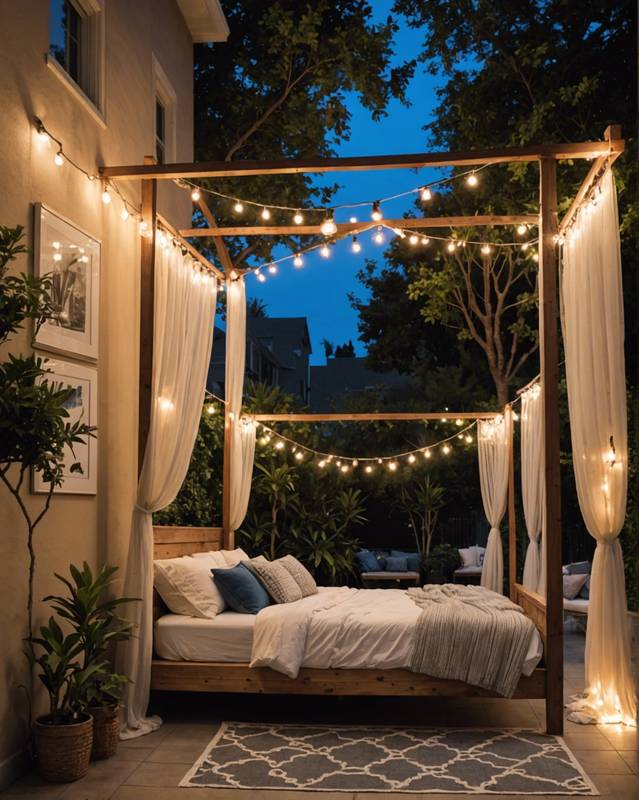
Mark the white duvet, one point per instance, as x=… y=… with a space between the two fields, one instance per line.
x=345 y=628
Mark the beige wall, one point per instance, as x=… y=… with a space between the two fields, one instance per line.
x=78 y=527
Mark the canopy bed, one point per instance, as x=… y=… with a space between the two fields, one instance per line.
x=164 y=444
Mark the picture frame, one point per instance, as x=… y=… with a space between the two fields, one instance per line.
x=72 y=257
x=83 y=404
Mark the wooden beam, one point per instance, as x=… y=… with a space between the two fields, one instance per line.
x=549 y=357
x=220 y=247
x=388 y=416
x=512 y=521
x=147 y=303
x=358 y=227
x=460 y=158
x=189 y=247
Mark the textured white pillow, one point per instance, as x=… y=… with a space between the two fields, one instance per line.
x=468 y=556
x=277 y=580
x=186 y=585
x=233 y=557
x=300 y=575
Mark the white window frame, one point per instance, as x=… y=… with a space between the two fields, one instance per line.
x=90 y=91
x=163 y=91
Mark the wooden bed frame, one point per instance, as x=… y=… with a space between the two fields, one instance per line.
x=198 y=676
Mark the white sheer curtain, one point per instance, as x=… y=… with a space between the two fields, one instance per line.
x=182 y=338
x=593 y=325
x=493 y=438
x=533 y=487
x=243 y=432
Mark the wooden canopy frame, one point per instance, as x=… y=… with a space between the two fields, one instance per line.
x=547 y=613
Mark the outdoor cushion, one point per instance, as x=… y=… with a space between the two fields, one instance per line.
x=468 y=556
x=241 y=589
x=481 y=552
x=573 y=585
x=186 y=587
x=396 y=564
x=367 y=561
x=300 y=575
x=277 y=581
x=471 y=570
x=579 y=568
x=414 y=560
x=577 y=606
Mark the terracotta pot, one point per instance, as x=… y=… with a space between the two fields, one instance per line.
x=106 y=731
x=63 y=751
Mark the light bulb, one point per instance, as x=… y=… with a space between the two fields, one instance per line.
x=325 y=251
x=426 y=194
x=427 y=454
x=392 y=466
x=378 y=238
x=524 y=247
x=352 y=220
x=238 y=207
x=472 y=180
x=468 y=438
x=298 y=261
x=486 y=249
x=368 y=469
x=425 y=240
x=338 y=463
x=451 y=247
x=521 y=229
x=43 y=135
x=57 y=257
x=58 y=159
x=279 y=445
x=355 y=462
x=328 y=227
x=413 y=239
x=298 y=218
x=55 y=245
x=272 y=269
x=344 y=467
x=446 y=449
x=106 y=197
x=535 y=257
x=321 y=464
x=196 y=195
x=299 y=456
x=356 y=246
x=124 y=215
x=376 y=213
x=210 y=409
x=411 y=459
x=459 y=422
x=266 y=214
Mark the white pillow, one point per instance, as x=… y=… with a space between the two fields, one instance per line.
x=186 y=585
x=233 y=557
x=468 y=556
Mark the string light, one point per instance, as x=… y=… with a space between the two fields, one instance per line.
x=272 y=269
x=58 y=159
x=298 y=261
x=298 y=218
x=426 y=194
x=352 y=220
x=325 y=251
x=376 y=212
x=378 y=238
x=392 y=466
x=238 y=207
x=425 y=240
x=486 y=249
x=211 y=409
x=427 y=453
x=355 y=245
x=196 y=195
x=446 y=449
x=265 y=214
x=413 y=239
x=368 y=469
x=451 y=247
x=472 y=180
x=522 y=229
x=124 y=214
x=328 y=226
x=106 y=197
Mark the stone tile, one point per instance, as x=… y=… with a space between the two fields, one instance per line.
x=621 y=737
x=97 y=791
x=631 y=757
x=131 y=753
x=148 y=774
x=180 y=754
x=617 y=787
x=152 y=739
x=602 y=762
x=33 y=786
x=107 y=771
x=587 y=741
x=197 y=793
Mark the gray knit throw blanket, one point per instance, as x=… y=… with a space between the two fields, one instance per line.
x=470 y=634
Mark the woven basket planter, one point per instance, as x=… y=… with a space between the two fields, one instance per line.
x=63 y=751
x=106 y=731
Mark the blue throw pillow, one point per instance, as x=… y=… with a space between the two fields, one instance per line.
x=241 y=589
x=414 y=560
x=367 y=561
x=395 y=564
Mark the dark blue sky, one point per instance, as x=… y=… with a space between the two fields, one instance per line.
x=319 y=290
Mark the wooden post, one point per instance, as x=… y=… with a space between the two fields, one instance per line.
x=512 y=522
x=147 y=301
x=549 y=350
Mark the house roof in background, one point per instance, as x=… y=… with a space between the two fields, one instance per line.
x=205 y=20
x=286 y=334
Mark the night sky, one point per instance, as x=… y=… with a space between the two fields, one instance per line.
x=319 y=291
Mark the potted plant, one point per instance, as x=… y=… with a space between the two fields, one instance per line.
x=95 y=621
x=63 y=738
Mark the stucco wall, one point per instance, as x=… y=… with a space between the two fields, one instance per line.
x=94 y=528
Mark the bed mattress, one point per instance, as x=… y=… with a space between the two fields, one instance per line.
x=228 y=637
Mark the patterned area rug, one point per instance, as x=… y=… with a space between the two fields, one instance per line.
x=371 y=759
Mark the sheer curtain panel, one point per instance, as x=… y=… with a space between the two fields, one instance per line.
x=182 y=337
x=533 y=488
x=593 y=327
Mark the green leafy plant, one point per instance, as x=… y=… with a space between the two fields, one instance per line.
x=94 y=620
x=441 y=563
x=35 y=433
x=276 y=483
x=422 y=499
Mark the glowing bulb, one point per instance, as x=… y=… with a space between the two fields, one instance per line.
x=446 y=449
x=521 y=229
x=411 y=459
x=298 y=218
x=427 y=454
x=299 y=456
x=57 y=257
x=261 y=277
x=535 y=257
x=143 y=226
x=368 y=469
x=328 y=227
x=106 y=197
x=486 y=249
x=196 y=195
x=55 y=245
x=338 y=463
x=344 y=467
x=211 y=409
x=356 y=246
x=238 y=207
x=279 y=445
x=124 y=215
x=376 y=213
x=378 y=238
x=468 y=438
x=524 y=247
x=472 y=180
x=43 y=135
x=392 y=466
x=355 y=462
x=352 y=220
x=451 y=247
x=413 y=239
x=325 y=251
x=459 y=422
x=266 y=214
x=272 y=269
x=425 y=240
x=515 y=416
x=426 y=194
x=165 y=404
x=58 y=159
x=321 y=464
x=298 y=261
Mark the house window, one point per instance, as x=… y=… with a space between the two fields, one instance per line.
x=75 y=44
x=160 y=131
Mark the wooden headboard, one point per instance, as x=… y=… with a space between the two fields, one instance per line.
x=173 y=541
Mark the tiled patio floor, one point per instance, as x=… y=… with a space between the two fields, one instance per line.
x=151 y=767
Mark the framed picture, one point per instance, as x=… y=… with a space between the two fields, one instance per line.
x=72 y=258
x=82 y=405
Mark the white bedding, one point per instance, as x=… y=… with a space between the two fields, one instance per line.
x=228 y=637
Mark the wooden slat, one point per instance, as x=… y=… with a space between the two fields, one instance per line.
x=175 y=541
x=534 y=606
x=359 y=227
x=188 y=246
x=219 y=677
x=147 y=313
x=461 y=158
x=376 y=416
x=549 y=359
x=220 y=247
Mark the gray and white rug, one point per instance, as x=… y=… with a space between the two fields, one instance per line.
x=385 y=759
